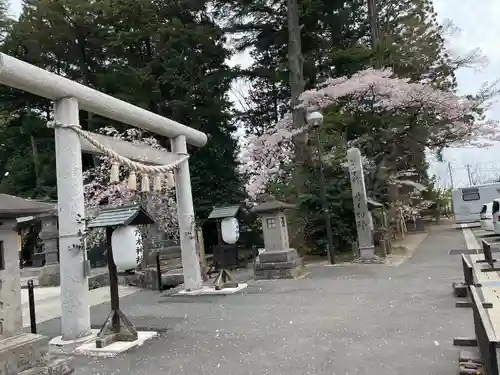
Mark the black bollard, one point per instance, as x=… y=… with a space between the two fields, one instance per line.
x=158 y=272
x=31 y=299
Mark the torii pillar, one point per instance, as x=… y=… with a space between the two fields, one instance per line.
x=75 y=312
x=185 y=211
x=71 y=97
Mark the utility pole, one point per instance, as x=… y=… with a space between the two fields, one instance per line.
x=469 y=174
x=451 y=175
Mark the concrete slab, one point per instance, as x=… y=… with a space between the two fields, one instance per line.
x=471 y=251
x=484 y=233
x=462 y=251
x=411 y=242
x=210 y=290
x=470 y=240
x=90 y=349
x=468 y=225
x=59 y=342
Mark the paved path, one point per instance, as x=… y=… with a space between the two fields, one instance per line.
x=363 y=319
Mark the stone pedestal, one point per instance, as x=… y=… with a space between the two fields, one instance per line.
x=278 y=264
x=27 y=353
x=20 y=353
x=50 y=275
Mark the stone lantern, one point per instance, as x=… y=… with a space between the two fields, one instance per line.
x=20 y=352
x=278 y=261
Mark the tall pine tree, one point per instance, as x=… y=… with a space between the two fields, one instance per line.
x=166 y=57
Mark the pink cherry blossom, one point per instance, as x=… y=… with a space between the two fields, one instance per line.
x=99 y=192
x=453 y=121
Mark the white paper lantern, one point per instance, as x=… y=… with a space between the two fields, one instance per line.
x=230 y=230
x=126 y=243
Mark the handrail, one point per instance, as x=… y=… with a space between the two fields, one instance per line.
x=468 y=270
x=485 y=334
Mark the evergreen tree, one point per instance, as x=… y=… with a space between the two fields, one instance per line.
x=166 y=57
x=336 y=42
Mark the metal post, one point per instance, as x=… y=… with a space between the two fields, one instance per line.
x=324 y=202
x=113 y=281
x=31 y=301
x=75 y=312
x=113 y=330
x=158 y=272
x=185 y=212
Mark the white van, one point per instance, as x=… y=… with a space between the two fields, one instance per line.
x=496 y=215
x=468 y=201
x=487 y=217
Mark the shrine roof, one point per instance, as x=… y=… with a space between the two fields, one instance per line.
x=272 y=206
x=124 y=215
x=13 y=207
x=223 y=212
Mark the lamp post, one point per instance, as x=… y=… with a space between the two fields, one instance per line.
x=315 y=119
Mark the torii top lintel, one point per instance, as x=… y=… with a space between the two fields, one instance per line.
x=23 y=76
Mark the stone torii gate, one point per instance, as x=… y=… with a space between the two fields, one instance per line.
x=69 y=98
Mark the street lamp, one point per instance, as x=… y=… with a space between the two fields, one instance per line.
x=315 y=119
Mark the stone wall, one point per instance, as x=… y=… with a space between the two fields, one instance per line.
x=148 y=279
x=284 y=264
x=28 y=354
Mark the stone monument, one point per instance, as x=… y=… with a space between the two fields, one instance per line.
x=20 y=353
x=278 y=261
x=360 y=202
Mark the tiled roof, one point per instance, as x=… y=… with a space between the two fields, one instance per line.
x=223 y=212
x=272 y=205
x=126 y=215
x=13 y=206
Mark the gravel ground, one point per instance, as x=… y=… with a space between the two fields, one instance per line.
x=352 y=319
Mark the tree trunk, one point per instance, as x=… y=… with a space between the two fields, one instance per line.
x=297 y=85
x=375 y=33
x=373 y=20
x=36 y=161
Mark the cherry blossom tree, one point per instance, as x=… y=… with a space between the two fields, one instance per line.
x=98 y=191
x=448 y=119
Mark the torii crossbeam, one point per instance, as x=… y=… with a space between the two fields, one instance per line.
x=69 y=98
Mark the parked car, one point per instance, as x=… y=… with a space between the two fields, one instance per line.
x=486 y=217
x=496 y=215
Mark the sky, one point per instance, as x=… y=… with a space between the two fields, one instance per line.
x=477 y=27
